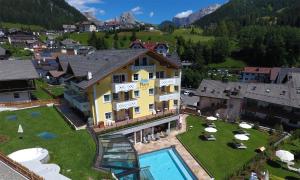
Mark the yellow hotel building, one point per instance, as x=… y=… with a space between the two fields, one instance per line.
x=115 y=86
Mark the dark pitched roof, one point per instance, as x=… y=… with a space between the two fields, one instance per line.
x=102 y=63
x=282 y=94
x=17 y=70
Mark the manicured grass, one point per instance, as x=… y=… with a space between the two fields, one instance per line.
x=218 y=156
x=275 y=168
x=72 y=150
x=39 y=93
x=56 y=90
x=229 y=64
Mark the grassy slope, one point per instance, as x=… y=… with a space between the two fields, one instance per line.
x=72 y=150
x=6 y=25
x=229 y=64
x=219 y=158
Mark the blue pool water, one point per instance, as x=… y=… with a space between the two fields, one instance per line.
x=166 y=164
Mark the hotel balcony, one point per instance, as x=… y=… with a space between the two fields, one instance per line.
x=77 y=101
x=167 y=82
x=167 y=97
x=149 y=68
x=117 y=106
x=124 y=87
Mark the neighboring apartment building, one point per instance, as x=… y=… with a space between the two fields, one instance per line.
x=259 y=74
x=275 y=102
x=87 y=26
x=116 y=85
x=22 y=39
x=69 y=28
x=159 y=47
x=16 y=80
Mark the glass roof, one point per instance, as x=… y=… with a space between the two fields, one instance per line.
x=118 y=155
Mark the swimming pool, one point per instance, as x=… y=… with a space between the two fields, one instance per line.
x=166 y=163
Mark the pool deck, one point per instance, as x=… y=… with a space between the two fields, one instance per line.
x=171 y=140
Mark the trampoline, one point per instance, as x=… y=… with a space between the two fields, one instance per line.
x=11 y=117
x=47 y=135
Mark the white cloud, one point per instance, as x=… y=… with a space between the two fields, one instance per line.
x=137 y=10
x=101 y=12
x=184 y=14
x=151 y=14
x=83 y=5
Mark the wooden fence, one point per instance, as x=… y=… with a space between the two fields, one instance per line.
x=19 y=168
x=30 y=103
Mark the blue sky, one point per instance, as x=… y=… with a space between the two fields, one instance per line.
x=152 y=11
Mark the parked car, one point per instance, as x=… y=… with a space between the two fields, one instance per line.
x=186 y=93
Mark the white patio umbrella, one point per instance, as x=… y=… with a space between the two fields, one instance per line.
x=285 y=156
x=211 y=118
x=241 y=137
x=210 y=129
x=245 y=125
x=20 y=129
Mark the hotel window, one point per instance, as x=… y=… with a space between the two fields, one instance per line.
x=176 y=74
x=119 y=78
x=108 y=115
x=115 y=96
x=160 y=74
x=16 y=95
x=176 y=88
x=135 y=77
x=144 y=62
x=106 y=98
x=137 y=110
x=137 y=62
x=175 y=102
x=151 y=91
x=136 y=94
x=150 y=75
x=151 y=107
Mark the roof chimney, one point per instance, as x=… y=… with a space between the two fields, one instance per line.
x=89 y=75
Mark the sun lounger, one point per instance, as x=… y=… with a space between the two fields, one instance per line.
x=157 y=136
x=163 y=135
x=210 y=137
x=153 y=137
x=241 y=146
x=145 y=141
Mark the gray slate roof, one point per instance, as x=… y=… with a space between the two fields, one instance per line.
x=17 y=70
x=101 y=63
x=282 y=94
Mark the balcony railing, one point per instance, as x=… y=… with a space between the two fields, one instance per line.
x=150 y=68
x=77 y=101
x=167 y=82
x=124 y=87
x=167 y=97
x=125 y=104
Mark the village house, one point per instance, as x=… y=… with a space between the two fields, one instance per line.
x=273 y=103
x=87 y=26
x=159 y=47
x=22 y=39
x=16 y=80
x=69 y=28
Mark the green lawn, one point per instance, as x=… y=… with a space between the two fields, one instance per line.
x=197 y=37
x=218 y=157
x=72 y=150
x=56 y=90
x=39 y=93
x=274 y=166
x=229 y=64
